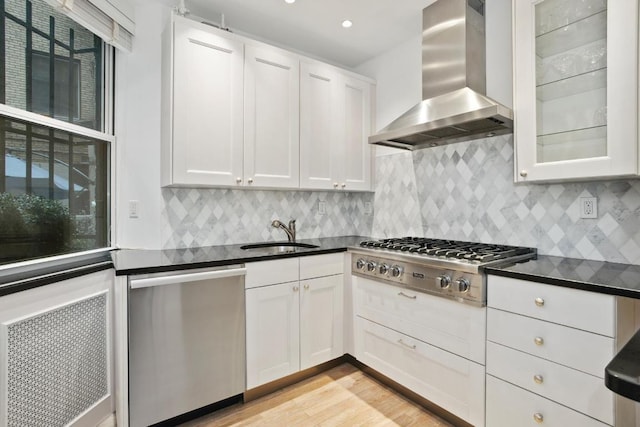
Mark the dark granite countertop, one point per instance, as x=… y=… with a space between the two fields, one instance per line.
x=134 y=261
x=596 y=276
x=622 y=374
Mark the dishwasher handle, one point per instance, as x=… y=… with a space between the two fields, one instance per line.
x=188 y=277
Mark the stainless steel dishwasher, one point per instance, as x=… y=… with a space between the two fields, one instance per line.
x=186 y=341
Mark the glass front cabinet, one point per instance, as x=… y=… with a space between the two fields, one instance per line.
x=575 y=89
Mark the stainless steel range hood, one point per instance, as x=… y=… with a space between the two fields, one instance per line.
x=454 y=107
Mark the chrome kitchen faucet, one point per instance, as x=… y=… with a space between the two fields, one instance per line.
x=290 y=230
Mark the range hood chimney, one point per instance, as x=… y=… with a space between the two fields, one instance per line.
x=454 y=107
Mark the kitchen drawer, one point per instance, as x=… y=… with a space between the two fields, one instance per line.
x=263 y=273
x=589 y=311
x=511 y=406
x=455 y=327
x=451 y=382
x=321 y=265
x=571 y=347
x=582 y=392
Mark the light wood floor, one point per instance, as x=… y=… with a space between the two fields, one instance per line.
x=342 y=396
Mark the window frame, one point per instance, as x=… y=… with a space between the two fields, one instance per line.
x=106 y=135
x=59 y=59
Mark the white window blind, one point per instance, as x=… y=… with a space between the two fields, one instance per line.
x=111 y=20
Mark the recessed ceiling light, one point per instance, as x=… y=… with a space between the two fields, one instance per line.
x=347 y=24
x=289 y=1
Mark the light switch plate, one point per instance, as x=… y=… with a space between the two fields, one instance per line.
x=134 y=207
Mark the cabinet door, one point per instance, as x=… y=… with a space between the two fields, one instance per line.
x=207 y=107
x=273 y=332
x=321 y=320
x=355 y=126
x=575 y=66
x=319 y=124
x=271 y=128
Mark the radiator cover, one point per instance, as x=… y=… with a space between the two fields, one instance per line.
x=57 y=364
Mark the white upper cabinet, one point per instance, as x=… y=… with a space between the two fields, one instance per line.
x=575 y=89
x=271 y=125
x=319 y=156
x=357 y=127
x=202 y=106
x=335 y=123
x=240 y=113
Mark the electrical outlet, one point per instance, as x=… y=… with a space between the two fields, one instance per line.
x=322 y=207
x=134 y=207
x=588 y=207
x=367 y=208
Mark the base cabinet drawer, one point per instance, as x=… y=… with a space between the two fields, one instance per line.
x=584 y=351
x=588 y=311
x=458 y=328
x=578 y=390
x=511 y=406
x=451 y=382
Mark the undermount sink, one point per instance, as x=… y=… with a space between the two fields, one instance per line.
x=278 y=247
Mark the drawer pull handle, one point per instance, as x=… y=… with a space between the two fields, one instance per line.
x=407 y=296
x=538 y=340
x=538 y=417
x=538 y=379
x=539 y=302
x=412 y=347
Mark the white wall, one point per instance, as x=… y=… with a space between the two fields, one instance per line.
x=137 y=125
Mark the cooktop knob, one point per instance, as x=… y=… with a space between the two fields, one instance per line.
x=462 y=285
x=383 y=269
x=396 y=271
x=443 y=281
x=360 y=264
x=371 y=265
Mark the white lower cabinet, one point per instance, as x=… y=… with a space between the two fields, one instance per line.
x=426 y=343
x=547 y=348
x=293 y=325
x=510 y=406
x=450 y=381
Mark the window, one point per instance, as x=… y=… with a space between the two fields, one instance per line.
x=64 y=102
x=54 y=169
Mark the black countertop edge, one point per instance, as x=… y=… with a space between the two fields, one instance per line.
x=566 y=283
x=622 y=374
x=223 y=262
x=144 y=261
x=42 y=276
x=603 y=277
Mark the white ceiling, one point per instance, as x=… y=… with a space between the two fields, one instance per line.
x=314 y=26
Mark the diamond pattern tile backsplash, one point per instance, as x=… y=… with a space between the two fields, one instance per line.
x=465 y=191
x=204 y=217
x=461 y=191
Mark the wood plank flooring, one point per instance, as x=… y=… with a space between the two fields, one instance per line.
x=342 y=396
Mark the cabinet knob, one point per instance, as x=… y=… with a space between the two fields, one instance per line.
x=539 y=302
x=335 y=185
x=538 y=379
x=343 y=185
x=295 y=289
x=238 y=180
x=523 y=173
x=306 y=286
x=538 y=417
x=250 y=180
x=538 y=340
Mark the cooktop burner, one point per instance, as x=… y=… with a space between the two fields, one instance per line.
x=446 y=268
x=476 y=253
